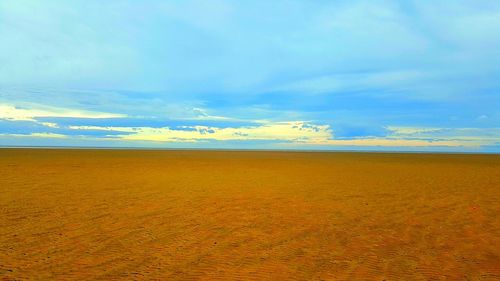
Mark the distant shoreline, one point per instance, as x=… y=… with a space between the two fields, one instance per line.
x=248 y=150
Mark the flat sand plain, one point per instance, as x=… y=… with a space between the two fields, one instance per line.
x=228 y=215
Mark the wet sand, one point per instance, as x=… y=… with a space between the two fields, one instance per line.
x=227 y=215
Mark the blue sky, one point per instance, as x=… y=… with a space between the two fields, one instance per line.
x=340 y=75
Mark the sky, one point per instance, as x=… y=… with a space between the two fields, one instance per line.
x=325 y=75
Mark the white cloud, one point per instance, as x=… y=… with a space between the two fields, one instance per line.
x=307 y=133
x=394 y=142
x=285 y=131
x=14 y=113
x=295 y=133
x=457 y=134
x=37 y=135
x=423 y=137
x=202 y=114
x=410 y=130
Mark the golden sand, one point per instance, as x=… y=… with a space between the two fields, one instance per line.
x=207 y=215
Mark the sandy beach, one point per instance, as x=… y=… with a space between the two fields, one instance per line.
x=247 y=215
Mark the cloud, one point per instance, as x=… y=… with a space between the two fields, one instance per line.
x=241 y=46
x=14 y=113
x=411 y=131
x=453 y=134
x=202 y=114
x=390 y=142
x=291 y=134
x=300 y=133
x=357 y=81
x=36 y=135
x=422 y=137
x=285 y=131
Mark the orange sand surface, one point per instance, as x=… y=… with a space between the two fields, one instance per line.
x=228 y=215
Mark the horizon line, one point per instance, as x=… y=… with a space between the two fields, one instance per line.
x=249 y=150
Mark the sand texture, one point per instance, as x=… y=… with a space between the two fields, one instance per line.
x=228 y=215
